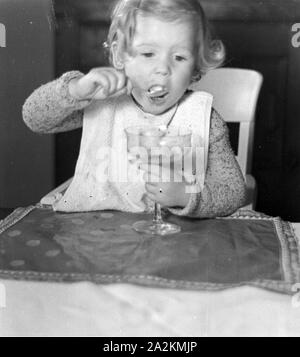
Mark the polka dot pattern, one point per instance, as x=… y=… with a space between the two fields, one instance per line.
x=52 y=253
x=17 y=263
x=106 y=215
x=96 y=232
x=57 y=246
x=77 y=221
x=14 y=233
x=33 y=243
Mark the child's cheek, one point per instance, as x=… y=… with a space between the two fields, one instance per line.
x=136 y=75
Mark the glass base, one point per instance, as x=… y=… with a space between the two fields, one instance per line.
x=159 y=228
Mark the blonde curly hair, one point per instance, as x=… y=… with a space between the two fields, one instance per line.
x=211 y=53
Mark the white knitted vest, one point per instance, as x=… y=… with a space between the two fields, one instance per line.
x=103 y=177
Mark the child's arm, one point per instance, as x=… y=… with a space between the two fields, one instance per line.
x=58 y=106
x=51 y=108
x=224 y=189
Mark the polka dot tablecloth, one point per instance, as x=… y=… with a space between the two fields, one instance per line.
x=245 y=248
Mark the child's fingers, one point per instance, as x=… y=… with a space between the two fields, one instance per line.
x=129 y=86
x=112 y=81
x=151 y=188
x=157 y=173
x=87 y=85
x=138 y=153
x=100 y=93
x=156 y=191
x=121 y=83
x=152 y=197
x=95 y=85
x=117 y=81
x=100 y=83
x=153 y=168
x=120 y=92
x=158 y=198
x=109 y=82
x=133 y=158
x=152 y=173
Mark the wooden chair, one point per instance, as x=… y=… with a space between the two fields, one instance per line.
x=235 y=94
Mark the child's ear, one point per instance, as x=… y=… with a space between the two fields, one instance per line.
x=116 y=57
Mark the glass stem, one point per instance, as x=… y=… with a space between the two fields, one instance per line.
x=157 y=213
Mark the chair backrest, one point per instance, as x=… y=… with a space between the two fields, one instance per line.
x=235 y=93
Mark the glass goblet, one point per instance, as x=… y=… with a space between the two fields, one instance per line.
x=154 y=140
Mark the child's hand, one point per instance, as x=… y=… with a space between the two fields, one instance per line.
x=167 y=188
x=100 y=83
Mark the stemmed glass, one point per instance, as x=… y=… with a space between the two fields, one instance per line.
x=159 y=144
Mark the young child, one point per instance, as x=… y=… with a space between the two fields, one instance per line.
x=157 y=49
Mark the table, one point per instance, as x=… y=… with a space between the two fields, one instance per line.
x=86 y=309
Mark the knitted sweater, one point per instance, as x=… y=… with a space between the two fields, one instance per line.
x=51 y=109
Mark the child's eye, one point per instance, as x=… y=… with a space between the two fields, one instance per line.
x=180 y=58
x=148 y=54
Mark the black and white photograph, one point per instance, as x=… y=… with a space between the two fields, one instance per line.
x=150 y=171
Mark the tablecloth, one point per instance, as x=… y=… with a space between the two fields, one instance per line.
x=244 y=248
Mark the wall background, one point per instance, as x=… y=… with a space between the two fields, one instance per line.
x=27 y=61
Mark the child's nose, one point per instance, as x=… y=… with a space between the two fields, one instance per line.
x=163 y=67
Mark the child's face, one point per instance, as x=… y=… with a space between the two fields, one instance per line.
x=162 y=56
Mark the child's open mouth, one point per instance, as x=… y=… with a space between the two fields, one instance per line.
x=157 y=93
